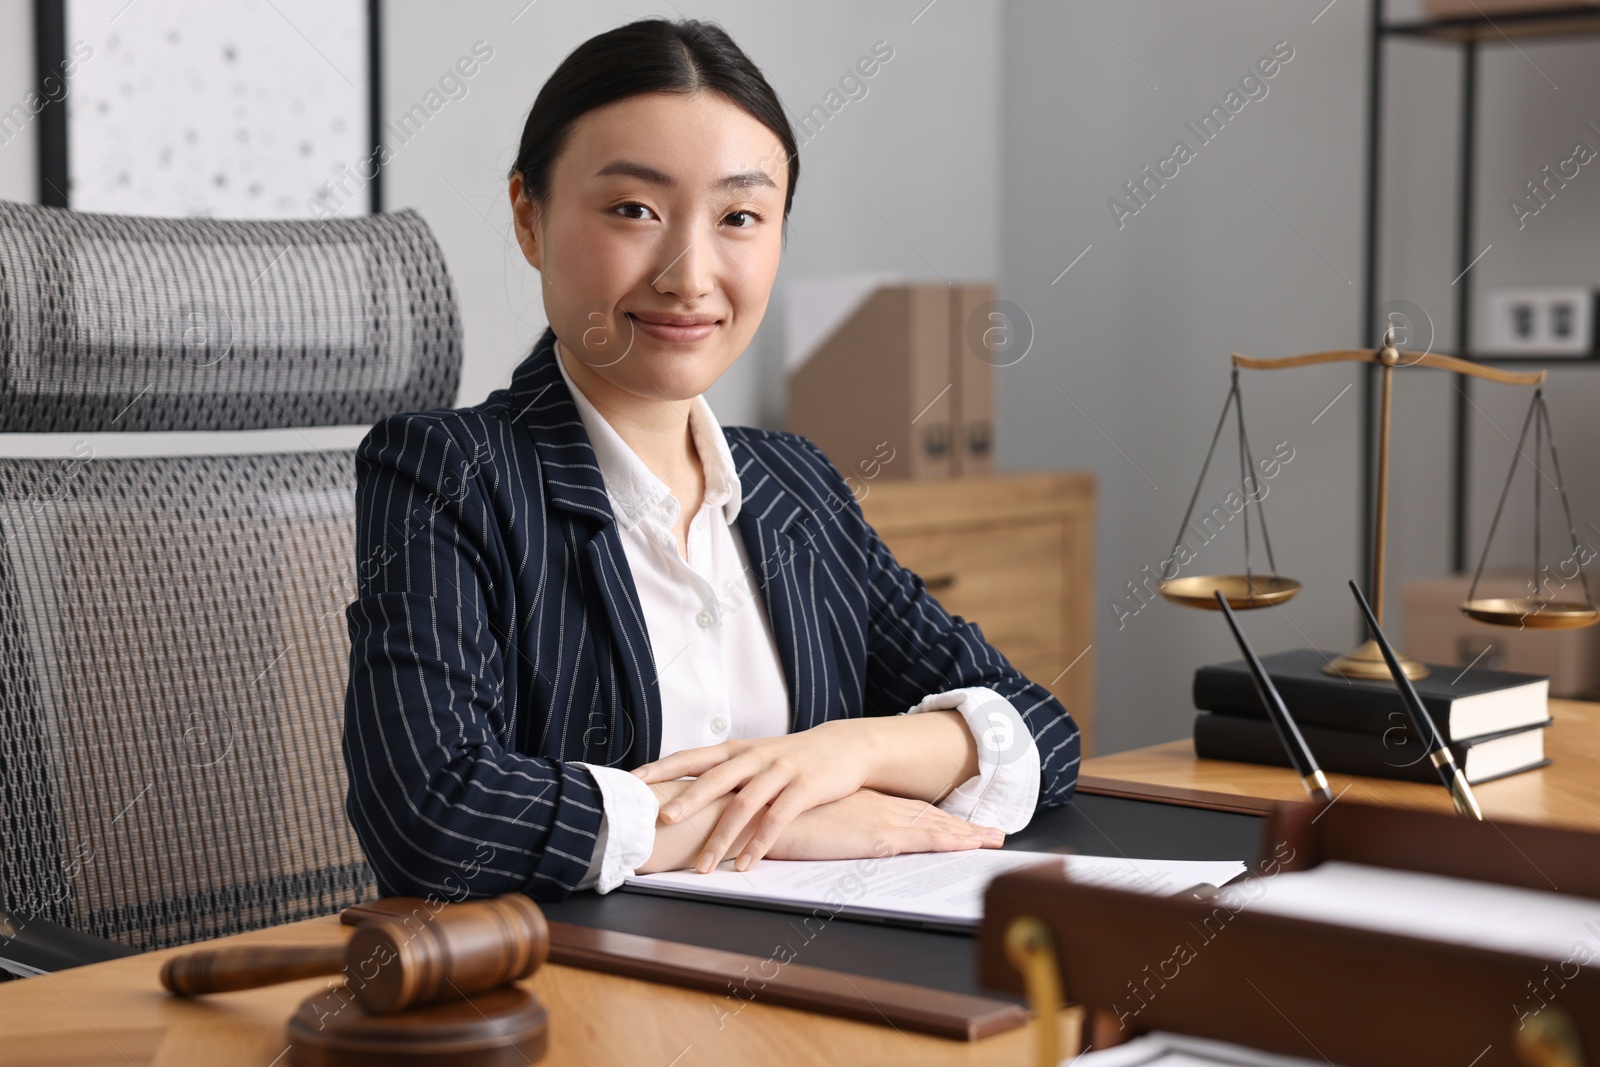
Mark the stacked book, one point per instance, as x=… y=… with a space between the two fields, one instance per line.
x=1493 y=721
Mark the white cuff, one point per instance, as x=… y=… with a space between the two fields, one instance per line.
x=1005 y=791
x=627 y=827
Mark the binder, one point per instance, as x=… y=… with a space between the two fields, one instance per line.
x=1308 y=988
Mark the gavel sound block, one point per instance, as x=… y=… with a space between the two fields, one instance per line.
x=431 y=984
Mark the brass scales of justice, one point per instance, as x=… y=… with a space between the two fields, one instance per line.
x=1252 y=590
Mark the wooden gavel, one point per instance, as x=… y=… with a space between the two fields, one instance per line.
x=393 y=961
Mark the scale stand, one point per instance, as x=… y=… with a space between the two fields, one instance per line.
x=1247 y=591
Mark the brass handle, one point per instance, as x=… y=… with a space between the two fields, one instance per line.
x=1548 y=1039
x=1031 y=950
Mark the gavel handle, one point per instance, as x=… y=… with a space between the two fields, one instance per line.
x=222 y=970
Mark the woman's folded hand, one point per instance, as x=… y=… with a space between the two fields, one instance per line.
x=771 y=780
x=774 y=780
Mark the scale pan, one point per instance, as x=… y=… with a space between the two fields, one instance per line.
x=1532 y=613
x=1242 y=591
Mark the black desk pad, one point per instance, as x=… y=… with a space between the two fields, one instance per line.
x=1089 y=825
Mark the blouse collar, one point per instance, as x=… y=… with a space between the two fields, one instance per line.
x=634 y=490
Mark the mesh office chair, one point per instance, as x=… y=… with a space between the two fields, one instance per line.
x=173 y=649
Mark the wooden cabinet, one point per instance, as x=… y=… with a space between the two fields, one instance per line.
x=1013 y=553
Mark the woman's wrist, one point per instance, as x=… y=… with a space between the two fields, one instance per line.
x=923 y=756
x=679 y=845
x=668 y=791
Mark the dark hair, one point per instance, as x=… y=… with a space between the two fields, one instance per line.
x=648 y=56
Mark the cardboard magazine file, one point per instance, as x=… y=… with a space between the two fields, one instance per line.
x=1289 y=986
x=975 y=321
x=896 y=390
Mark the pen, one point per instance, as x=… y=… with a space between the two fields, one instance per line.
x=1294 y=744
x=1427 y=730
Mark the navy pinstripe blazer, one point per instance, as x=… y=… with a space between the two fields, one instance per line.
x=496 y=636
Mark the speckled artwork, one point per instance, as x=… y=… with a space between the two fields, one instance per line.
x=244 y=109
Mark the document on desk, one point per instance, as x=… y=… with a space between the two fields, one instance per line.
x=1180 y=1050
x=1531 y=922
x=937 y=890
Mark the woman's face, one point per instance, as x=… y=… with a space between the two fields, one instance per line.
x=664 y=209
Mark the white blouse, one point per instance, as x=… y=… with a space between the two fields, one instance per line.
x=718 y=668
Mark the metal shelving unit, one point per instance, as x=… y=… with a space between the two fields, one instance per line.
x=1468 y=34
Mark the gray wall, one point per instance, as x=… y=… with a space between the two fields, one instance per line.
x=989 y=147
x=900 y=179
x=1253 y=247
x=1138 y=333
x=17 y=156
x=1534 y=104
x=915 y=154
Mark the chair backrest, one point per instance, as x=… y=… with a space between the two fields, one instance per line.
x=173 y=648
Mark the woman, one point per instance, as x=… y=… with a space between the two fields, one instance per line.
x=586 y=576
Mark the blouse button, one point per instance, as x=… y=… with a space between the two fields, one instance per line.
x=719 y=724
x=705 y=620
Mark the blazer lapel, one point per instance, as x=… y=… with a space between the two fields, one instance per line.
x=576 y=494
x=778 y=537
x=777 y=529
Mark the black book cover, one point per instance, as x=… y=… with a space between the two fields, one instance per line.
x=1397 y=755
x=1370 y=707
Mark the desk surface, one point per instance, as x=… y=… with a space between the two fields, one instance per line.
x=1091 y=826
x=1567 y=792
x=116 y=1013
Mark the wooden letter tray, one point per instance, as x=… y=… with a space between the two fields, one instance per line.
x=1354 y=997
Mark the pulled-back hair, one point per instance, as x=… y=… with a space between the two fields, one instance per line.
x=648 y=56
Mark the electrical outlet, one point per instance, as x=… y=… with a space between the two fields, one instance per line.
x=1555 y=320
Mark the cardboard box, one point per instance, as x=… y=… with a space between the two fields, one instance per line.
x=1437 y=632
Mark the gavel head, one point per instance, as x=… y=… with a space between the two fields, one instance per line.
x=397 y=962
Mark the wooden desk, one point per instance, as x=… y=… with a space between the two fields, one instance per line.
x=1565 y=793
x=116 y=1013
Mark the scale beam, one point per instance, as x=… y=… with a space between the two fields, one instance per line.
x=1436 y=360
